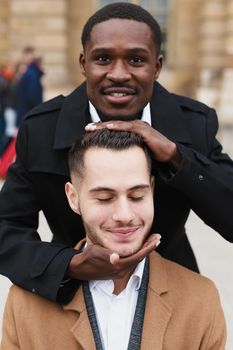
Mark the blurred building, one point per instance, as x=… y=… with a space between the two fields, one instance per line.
x=198 y=43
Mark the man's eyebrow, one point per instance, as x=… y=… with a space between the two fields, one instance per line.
x=108 y=189
x=98 y=50
x=101 y=189
x=139 y=187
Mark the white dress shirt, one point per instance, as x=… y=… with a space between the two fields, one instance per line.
x=115 y=313
x=146 y=116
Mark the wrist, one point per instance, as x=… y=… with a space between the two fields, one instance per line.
x=175 y=158
x=75 y=262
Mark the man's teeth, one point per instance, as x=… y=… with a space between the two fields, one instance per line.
x=118 y=94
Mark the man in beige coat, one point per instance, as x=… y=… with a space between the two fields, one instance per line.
x=112 y=189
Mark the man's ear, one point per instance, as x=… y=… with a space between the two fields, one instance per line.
x=82 y=63
x=73 y=197
x=159 y=64
x=152 y=183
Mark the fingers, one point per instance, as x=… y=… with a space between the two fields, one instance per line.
x=97 y=262
x=150 y=244
x=117 y=125
x=154 y=238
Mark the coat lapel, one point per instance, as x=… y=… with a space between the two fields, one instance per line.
x=81 y=329
x=158 y=311
x=157 y=314
x=72 y=119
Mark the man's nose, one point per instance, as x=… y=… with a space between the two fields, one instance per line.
x=119 y=72
x=123 y=211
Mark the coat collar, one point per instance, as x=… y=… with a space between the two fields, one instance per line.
x=72 y=118
x=166 y=114
x=158 y=308
x=81 y=329
x=157 y=314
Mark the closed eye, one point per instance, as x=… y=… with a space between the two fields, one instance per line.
x=104 y=199
x=136 y=199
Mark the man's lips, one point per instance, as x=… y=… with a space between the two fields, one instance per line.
x=114 y=90
x=118 y=95
x=123 y=231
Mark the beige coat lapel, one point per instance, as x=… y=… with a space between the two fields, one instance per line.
x=81 y=329
x=158 y=311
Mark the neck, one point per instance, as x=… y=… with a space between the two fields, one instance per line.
x=121 y=283
x=105 y=118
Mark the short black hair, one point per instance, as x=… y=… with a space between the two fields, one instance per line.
x=123 y=10
x=103 y=138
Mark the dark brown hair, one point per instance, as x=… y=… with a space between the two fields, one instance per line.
x=123 y=10
x=108 y=139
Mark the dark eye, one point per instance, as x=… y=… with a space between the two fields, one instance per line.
x=103 y=59
x=136 y=60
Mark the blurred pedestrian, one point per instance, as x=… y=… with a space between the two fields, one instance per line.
x=2 y=98
x=7 y=111
x=29 y=90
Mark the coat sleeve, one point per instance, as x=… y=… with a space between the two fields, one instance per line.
x=27 y=261
x=206 y=179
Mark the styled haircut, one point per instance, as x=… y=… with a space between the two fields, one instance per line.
x=107 y=139
x=123 y=10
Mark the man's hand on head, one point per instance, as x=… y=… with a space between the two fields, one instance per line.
x=163 y=149
x=97 y=263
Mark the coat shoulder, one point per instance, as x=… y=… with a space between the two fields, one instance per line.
x=49 y=106
x=194 y=286
x=20 y=300
x=187 y=103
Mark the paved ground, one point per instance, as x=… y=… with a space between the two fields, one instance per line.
x=215 y=258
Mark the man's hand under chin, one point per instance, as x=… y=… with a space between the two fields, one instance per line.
x=98 y=263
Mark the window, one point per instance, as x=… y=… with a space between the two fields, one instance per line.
x=159 y=10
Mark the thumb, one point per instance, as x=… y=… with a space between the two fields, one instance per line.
x=114 y=258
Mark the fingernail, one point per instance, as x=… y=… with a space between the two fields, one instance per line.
x=157 y=243
x=158 y=236
x=114 y=257
x=109 y=126
x=90 y=126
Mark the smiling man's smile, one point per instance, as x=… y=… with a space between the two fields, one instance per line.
x=117 y=209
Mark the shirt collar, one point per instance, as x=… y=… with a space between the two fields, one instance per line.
x=136 y=275
x=146 y=115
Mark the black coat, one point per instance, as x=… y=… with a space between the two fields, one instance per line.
x=36 y=182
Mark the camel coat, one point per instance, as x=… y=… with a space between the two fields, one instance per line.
x=183 y=312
